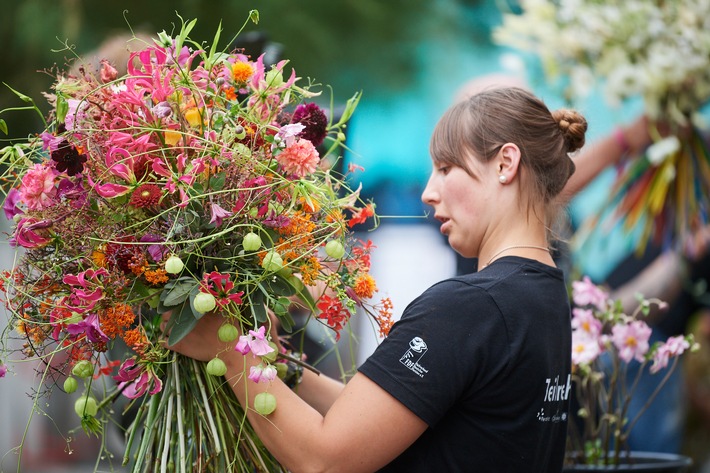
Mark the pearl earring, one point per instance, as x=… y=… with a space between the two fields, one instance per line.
x=502 y=179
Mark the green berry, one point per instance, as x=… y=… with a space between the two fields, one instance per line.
x=204 y=302
x=228 y=333
x=272 y=262
x=70 y=385
x=174 y=265
x=281 y=369
x=335 y=249
x=86 y=405
x=83 y=369
x=216 y=367
x=251 y=242
x=264 y=403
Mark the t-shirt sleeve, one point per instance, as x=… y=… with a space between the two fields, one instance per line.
x=450 y=342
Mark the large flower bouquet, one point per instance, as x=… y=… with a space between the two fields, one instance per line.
x=201 y=180
x=656 y=51
x=606 y=341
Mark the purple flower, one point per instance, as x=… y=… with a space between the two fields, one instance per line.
x=10 y=206
x=135 y=380
x=89 y=327
x=218 y=214
x=3 y=370
x=313 y=118
x=157 y=252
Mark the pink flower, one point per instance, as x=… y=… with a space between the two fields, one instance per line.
x=89 y=327
x=585 y=293
x=585 y=349
x=631 y=340
x=135 y=380
x=674 y=346
x=262 y=373
x=254 y=342
x=3 y=370
x=31 y=233
x=221 y=286
x=10 y=205
x=37 y=188
x=300 y=158
x=584 y=320
x=218 y=214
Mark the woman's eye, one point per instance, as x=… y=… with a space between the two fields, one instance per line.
x=444 y=169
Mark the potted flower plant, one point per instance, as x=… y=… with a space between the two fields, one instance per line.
x=606 y=341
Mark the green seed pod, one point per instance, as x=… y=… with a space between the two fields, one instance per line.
x=271 y=356
x=204 y=302
x=86 y=405
x=70 y=385
x=251 y=242
x=264 y=403
x=174 y=265
x=281 y=369
x=83 y=369
x=335 y=249
x=216 y=367
x=228 y=333
x=272 y=262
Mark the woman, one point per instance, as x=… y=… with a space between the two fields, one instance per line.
x=475 y=376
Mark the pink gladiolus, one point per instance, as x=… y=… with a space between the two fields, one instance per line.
x=631 y=340
x=585 y=293
x=37 y=188
x=300 y=158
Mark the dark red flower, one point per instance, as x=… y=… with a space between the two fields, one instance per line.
x=146 y=196
x=68 y=159
x=313 y=118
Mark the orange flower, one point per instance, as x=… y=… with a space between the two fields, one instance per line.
x=156 y=277
x=309 y=271
x=136 y=339
x=242 y=71
x=230 y=94
x=98 y=256
x=115 y=320
x=365 y=286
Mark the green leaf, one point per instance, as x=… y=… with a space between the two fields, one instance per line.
x=287 y=322
x=181 y=322
x=62 y=108
x=258 y=308
x=350 y=106
x=254 y=16
x=22 y=96
x=3 y=126
x=177 y=293
x=217 y=181
x=278 y=287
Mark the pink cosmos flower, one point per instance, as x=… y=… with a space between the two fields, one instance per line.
x=37 y=187
x=254 y=342
x=674 y=346
x=262 y=373
x=631 y=340
x=585 y=293
x=585 y=349
x=300 y=158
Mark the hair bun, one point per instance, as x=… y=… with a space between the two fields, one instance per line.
x=573 y=127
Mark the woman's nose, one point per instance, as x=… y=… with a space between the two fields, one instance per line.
x=430 y=196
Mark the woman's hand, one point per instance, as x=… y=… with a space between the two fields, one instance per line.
x=202 y=343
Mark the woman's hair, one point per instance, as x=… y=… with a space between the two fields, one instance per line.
x=480 y=125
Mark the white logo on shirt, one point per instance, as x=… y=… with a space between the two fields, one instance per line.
x=555 y=393
x=412 y=357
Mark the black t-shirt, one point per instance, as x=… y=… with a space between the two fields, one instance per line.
x=484 y=359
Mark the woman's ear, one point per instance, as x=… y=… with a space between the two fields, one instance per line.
x=507 y=162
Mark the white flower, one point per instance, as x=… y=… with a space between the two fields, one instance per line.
x=660 y=150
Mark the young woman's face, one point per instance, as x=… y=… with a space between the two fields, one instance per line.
x=463 y=203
